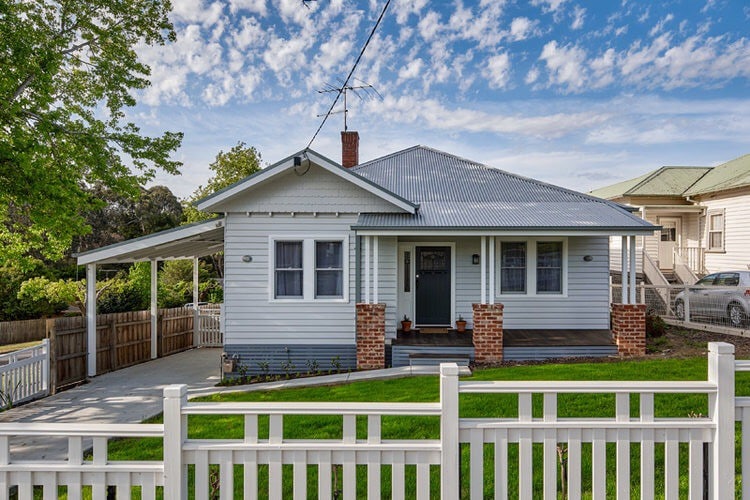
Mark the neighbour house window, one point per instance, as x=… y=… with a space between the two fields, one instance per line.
x=513 y=267
x=549 y=259
x=329 y=269
x=289 y=272
x=716 y=230
x=308 y=268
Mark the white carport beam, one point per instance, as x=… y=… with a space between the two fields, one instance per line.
x=624 y=268
x=154 y=307
x=631 y=284
x=91 y=319
x=483 y=270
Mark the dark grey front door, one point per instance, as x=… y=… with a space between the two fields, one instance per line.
x=433 y=268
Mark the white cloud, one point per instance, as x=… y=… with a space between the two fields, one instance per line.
x=532 y=76
x=659 y=27
x=255 y=6
x=429 y=25
x=565 y=65
x=548 y=5
x=284 y=57
x=579 y=14
x=521 y=28
x=250 y=34
x=412 y=70
x=602 y=69
x=497 y=71
x=404 y=8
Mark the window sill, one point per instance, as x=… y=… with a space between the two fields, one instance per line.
x=522 y=296
x=308 y=301
x=718 y=250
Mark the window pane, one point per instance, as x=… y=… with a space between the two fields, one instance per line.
x=328 y=255
x=329 y=284
x=717 y=222
x=288 y=255
x=714 y=240
x=549 y=267
x=512 y=267
x=288 y=283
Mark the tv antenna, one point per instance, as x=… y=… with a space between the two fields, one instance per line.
x=361 y=91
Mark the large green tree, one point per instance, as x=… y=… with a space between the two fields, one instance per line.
x=69 y=73
x=228 y=168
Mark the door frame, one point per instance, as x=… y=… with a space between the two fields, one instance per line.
x=678 y=236
x=410 y=308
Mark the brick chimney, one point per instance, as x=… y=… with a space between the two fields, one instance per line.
x=349 y=149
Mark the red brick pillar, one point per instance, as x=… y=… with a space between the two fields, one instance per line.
x=488 y=333
x=370 y=336
x=629 y=329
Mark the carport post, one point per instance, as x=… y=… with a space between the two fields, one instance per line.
x=91 y=319
x=154 y=307
x=196 y=318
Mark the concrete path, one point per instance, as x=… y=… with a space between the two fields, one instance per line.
x=134 y=394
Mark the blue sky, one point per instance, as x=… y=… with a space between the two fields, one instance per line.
x=580 y=94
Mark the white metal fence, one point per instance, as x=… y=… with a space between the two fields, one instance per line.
x=24 y=374
x=487 y=453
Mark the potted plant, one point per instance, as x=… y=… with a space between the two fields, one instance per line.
x=406 y=324
x=460 y=324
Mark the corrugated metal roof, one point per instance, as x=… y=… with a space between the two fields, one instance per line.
x=729 y=175
x=455 y=192
x=664 y=181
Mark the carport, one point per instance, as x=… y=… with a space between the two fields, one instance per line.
x=185 y=242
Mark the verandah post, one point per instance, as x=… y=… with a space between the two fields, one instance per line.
x=721 y=412
x=175 y=434
x=449 y=439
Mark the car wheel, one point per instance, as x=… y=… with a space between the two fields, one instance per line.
x=736 y=315
x=679 y=309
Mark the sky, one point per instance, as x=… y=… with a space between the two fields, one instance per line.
x=578 y=94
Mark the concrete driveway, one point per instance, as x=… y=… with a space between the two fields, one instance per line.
x=125 y=396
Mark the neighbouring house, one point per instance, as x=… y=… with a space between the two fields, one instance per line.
x=322 y=261
x=704 y=214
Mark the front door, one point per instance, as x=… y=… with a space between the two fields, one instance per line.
x=670 y=234
x=433 y=286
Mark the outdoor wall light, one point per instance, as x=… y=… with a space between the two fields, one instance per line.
x=247 y=258
x=475 y=259
x=588 y=258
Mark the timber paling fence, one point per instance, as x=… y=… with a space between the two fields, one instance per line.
x=19 y=332
x=122 y=340
x=472 y=458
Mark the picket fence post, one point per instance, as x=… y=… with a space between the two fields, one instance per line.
x=45 y=366
x=449 y=439
x=175 y=434
x=721 y=411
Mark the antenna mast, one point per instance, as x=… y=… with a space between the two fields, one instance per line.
x=343 y=90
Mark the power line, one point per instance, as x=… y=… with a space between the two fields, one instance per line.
x=346 y=82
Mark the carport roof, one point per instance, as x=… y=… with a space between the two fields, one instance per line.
x=184 y=242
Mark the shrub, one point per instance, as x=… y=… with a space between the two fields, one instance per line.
x=655 y=325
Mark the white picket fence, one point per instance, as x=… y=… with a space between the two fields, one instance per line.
x=417 y=467
x=24 y=374
x=209 y=330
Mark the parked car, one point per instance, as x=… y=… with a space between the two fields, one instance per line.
x=189 y=305
x=724 y=296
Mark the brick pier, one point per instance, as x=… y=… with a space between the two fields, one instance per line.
x=370 y=336
x=488 y=333
x=629 y=329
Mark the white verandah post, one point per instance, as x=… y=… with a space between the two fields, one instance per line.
x=491 y=258
x=154 y=307
x=631 y=274
x=367 y=269
x=375 y=259
x=483 y=270
x=196 y=296
x=624 y=268
x=91 y=319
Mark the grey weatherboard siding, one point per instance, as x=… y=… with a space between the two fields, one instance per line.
x=294 y=358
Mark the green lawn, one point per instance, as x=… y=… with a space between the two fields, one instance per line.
x=4 y=349
x=426 y=389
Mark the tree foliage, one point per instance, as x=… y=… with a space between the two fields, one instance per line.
x=228 y=168
x=69 y=74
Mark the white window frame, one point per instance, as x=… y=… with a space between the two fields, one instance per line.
x=531 y=253
x=308 y=267
x=709 y=215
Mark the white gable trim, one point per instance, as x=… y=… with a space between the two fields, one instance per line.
x=207 y=204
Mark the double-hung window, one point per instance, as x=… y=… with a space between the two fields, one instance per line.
x=532 y=267
x=716 y=231
x=288 y=270
x=308 y=268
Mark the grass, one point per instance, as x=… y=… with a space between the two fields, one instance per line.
x=425 y=389
x=4 y=349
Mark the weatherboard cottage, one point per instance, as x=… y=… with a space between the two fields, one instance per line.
x=322 y=262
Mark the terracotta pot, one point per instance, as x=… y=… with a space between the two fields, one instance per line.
x=406 y=326
x=461 y=326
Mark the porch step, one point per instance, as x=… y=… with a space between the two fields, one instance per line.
x=542 y=353
x=421 y=355
x=433 y=358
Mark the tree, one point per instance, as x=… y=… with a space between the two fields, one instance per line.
x=69 y=72
x=228 y=168
x=58 y=294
